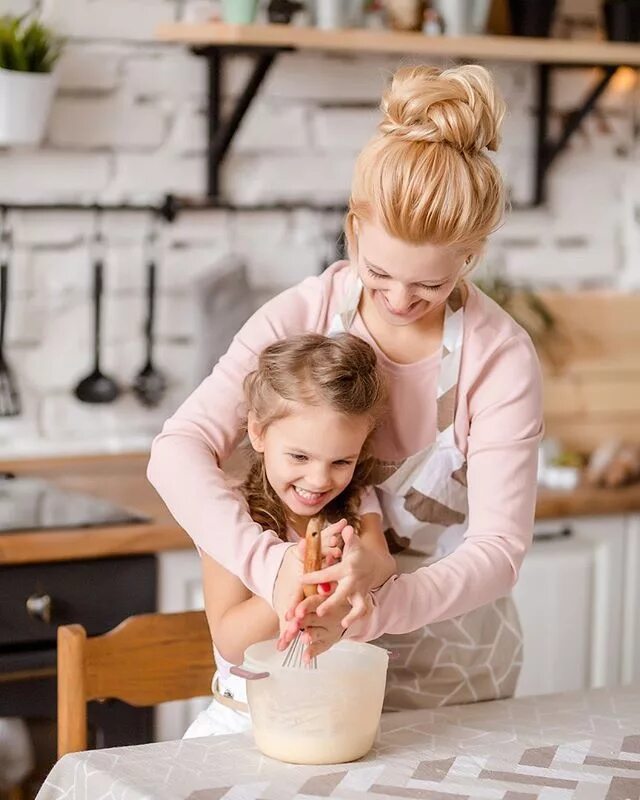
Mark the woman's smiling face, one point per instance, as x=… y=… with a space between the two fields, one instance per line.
x=406 y=282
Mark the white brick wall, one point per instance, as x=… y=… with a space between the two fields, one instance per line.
x=114 y=121
x=129 y=124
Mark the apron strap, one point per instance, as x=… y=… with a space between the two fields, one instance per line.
x=450 y=357
x=343 y=319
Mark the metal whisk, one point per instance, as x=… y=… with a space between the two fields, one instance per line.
x=312 y=562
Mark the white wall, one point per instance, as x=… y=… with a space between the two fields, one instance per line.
x=128 y=125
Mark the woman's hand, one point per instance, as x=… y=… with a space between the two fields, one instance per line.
x=360 y=570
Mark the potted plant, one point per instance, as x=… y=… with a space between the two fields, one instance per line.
x=28 y=53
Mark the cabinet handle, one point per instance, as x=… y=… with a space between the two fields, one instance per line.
x=547 y=536
x=39 y=607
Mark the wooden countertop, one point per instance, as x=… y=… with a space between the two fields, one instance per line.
x=121 y=479
x=587 y=501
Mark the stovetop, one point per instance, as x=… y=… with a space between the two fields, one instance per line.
x=34 y=504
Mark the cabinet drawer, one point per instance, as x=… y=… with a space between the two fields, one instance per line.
x=36 y=598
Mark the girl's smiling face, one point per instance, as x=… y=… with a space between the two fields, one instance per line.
x=310 y=454
x=406 y=282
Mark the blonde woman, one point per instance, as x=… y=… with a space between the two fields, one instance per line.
x=459 y=443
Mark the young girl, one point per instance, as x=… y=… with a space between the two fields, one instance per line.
x=461 y=435
x=313 y=403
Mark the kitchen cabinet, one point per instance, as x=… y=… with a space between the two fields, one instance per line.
x=571 y=595
x=631 y=606
x=179 y=589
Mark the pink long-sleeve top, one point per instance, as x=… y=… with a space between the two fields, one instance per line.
x=498 y=425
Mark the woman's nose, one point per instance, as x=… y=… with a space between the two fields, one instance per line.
x=399 y=297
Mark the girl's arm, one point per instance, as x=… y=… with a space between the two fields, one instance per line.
x=236 y=618
x=186 y=457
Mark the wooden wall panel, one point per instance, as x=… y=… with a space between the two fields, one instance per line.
x=594 y=392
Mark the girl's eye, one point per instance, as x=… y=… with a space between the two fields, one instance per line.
x=431 y=288
x=375 y=274
x=342 y=463
x=297 y=457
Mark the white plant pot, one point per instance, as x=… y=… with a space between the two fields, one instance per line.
x=25 y=101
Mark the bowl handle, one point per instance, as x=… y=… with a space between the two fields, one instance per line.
x=241 y=672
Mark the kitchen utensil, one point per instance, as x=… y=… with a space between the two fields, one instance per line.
x=331 y=14
x=10 y=405
x=239 y=12
x=328 y=715
x=405 y=15
x=463 y=17
x=150 y=384
x=312 y=562
x=281 y=12
x=97 y=387
x=622 y=20
x=531 y=17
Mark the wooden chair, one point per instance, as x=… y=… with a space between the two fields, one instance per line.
x=147 y=659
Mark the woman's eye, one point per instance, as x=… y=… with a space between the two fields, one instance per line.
x=432 y=288
x=375 y=274
x=342 y=463
x=297 y=457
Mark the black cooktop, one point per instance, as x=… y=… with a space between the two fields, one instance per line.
x=34 y=504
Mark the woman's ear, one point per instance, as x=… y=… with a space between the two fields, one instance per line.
x=255 y=433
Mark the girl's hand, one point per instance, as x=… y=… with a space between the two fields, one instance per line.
x=287 y=595
x=321 y=634
x=359 y=571
x=287 y=590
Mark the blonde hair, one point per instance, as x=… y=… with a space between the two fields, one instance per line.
x=426 y=176
x=338 y=371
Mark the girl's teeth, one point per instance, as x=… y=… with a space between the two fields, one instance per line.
x=307 y=495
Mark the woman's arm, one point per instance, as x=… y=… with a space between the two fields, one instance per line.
x=185 y=458
x=505 y=430
x=236 y=618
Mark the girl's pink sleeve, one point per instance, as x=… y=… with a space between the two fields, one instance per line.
x=185 y=458
x=506 y=426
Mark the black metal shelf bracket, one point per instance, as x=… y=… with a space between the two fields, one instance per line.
x=547 y=150
x=222 y=131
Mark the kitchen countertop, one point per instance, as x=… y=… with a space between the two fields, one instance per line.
x=121 y=479
x=571 y=746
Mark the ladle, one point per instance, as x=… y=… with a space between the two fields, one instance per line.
x=97 y=387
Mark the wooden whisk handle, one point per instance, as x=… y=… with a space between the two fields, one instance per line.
x=313 y=552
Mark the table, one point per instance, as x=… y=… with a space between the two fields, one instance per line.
x=571 y=746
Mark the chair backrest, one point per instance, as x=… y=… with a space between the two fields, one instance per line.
x=147 y=659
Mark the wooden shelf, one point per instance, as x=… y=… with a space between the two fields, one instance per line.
x=360 y=40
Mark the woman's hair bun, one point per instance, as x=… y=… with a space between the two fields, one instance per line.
x=460 y=107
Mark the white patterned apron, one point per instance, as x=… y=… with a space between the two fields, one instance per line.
x=478 y=655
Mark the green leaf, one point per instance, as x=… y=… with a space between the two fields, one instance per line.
x=26 y=45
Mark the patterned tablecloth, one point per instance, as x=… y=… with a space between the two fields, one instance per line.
x=578 y=746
